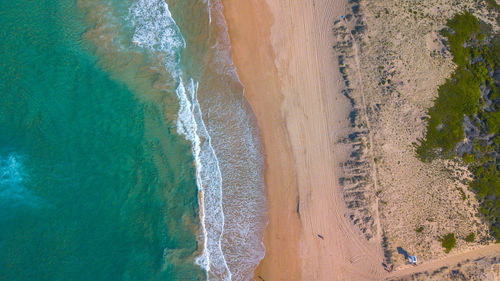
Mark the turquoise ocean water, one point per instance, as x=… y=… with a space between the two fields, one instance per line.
x=127 y=149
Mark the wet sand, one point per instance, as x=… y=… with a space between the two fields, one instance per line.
x=284 y=57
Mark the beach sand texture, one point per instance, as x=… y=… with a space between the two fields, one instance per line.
x=284 y=57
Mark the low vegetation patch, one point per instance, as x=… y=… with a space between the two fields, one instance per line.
x=470 y=238
x=448 y=242
x=465 y=118
x=493 y=4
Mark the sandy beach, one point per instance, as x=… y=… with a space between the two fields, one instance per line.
x=283 y=53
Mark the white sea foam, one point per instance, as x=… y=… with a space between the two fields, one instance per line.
x=209 y=180
x=13 y=193
x=156 y=30
x=11 y=170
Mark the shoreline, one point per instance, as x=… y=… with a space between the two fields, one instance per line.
x=275 y=169
x=284 y=58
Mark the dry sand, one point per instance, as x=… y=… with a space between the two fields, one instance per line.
x=283 y=52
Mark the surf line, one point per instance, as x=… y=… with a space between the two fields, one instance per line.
x=208 y=178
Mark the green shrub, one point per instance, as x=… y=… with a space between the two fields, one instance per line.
x=462 y=27
x=468 y=158
x=448 y=242
x=457 y=97
x=420 y=229
x=471 y=237
x=476 y=51
x=487 y=182
x=493 y=121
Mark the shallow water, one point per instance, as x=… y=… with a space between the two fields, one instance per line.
x=127 y=149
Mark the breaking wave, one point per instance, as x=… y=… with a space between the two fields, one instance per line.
x=156 y=30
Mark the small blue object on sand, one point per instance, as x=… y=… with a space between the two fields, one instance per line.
x=341 y=17
x=412 y=259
